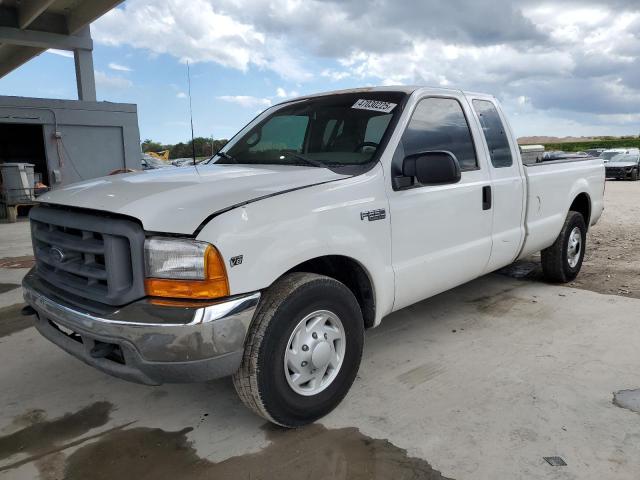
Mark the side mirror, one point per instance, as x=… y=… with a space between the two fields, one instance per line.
x=429 y=168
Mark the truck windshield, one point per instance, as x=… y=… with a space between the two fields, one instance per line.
x=327 y=131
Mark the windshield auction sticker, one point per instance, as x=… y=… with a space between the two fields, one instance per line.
x=375 y=105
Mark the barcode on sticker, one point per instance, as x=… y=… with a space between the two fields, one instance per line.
x=375 y=105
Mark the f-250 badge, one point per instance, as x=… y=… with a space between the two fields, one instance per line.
x=373 y=215
x=235 y=261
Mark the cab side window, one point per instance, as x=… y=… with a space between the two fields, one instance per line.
x=494 y=133
x=440 y=124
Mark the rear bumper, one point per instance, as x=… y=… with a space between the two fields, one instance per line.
x=144 y=342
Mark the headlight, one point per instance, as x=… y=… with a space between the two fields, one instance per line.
x=183 y=268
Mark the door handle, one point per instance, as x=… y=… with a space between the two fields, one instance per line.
x=486 y=197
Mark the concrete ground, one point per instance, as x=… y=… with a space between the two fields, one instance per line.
x=481 y=382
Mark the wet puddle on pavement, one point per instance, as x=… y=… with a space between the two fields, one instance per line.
x=313 y=452
x=629 y=399
x=7 y=287
x=40 y=437
x=12 y=321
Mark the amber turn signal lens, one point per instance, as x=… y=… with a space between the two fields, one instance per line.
x=215 y=285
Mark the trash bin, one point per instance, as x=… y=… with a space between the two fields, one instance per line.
x=18 y=182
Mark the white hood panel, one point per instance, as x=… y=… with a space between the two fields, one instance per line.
x=177 y=200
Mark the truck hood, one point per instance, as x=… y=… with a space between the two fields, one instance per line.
x=621 y=164
x=178 y=200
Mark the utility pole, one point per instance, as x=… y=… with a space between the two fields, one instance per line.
x=193 y=145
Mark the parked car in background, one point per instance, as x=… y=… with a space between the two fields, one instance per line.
x=321 y=217
x=560 y=155
x=595 y=152
x=151 y=163
x=186 y=162
x=624 y=166
x=553 y=155
x=181 y=162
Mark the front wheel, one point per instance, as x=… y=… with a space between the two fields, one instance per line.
x=562 y=261
x=303 y=350
x=634 y=175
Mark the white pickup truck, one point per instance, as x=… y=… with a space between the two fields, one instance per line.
x=319 y=218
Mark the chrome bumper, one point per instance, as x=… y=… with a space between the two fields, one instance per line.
x=145 y=342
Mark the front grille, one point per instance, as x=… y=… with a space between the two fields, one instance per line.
x=614 y=171
x=91 y=256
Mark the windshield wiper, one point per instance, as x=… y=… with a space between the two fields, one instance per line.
x=226 y=156
x=308 y=161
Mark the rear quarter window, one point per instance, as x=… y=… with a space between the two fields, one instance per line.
x=494 y=133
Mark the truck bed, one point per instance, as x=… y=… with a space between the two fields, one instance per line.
x=551 y=188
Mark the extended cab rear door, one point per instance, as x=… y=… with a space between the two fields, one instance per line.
x=507 y=181
x=441 y=234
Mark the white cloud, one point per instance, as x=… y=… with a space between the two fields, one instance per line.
x=61 y=53
x=334 y=74
x=246 y=100
x=196 y=31
x=565 y=57
x=282 y=93
x=104 y=80
x=119 y=68
x=181 y=95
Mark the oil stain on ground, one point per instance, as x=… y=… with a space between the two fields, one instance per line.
x=43 y=437
x=313 y=452
x=12 y=321
x=629 y=399
x=7 y=287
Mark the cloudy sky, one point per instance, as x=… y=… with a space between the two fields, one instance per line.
x=560 y=68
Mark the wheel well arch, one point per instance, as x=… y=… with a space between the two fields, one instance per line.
x=582 y=205
x=351 y=273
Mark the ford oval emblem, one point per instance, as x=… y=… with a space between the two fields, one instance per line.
x=57 y=254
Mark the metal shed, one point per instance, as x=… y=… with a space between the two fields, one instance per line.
x=66 y=140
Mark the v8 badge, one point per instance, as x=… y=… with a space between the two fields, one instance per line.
x=235 y=261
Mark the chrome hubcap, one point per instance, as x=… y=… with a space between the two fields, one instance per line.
x=575 y=247
x=315 y=353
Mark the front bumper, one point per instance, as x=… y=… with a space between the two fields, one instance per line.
x=618 y=173
x=146 y=342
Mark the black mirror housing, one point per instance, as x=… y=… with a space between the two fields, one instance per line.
x=432 y=168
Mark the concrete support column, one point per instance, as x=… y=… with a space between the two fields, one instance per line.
x=85 y=77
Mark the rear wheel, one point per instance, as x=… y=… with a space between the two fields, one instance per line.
x=562 y=261
x=303 y=350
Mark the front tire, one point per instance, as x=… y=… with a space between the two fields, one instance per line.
x=303 y=350
x=561 y=262
x=634 y=175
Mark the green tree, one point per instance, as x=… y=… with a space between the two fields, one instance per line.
x=151 y=146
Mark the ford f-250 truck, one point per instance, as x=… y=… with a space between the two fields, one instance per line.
x=319 y=218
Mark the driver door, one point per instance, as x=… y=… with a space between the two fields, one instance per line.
x=441 y=234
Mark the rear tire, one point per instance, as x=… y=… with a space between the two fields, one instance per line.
x=296 y=307
x=561 y=262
